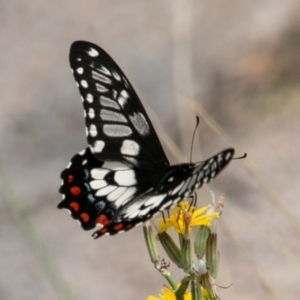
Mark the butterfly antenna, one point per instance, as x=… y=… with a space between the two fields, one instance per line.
x=197 y=123
x=163 y=215
x=241 y=157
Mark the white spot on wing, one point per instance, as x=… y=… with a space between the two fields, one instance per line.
x=125 y=197
x=115 y=130
x=89 y=98
x=206 y=166
x=99 y=173
x=100 y=88
x=125 y=94
x=84 y=83
x=93 y=130
x=114 y=165
x=98 y=146
x=177 y=188
x=99 y=226
x=144 y=211
x=67 y=210
x=132 y=210
x=131 y=160
x=228 y=156
x=104 y=70
x=200 y=175
x=155 y=199
x=122 y=101
x=140 y=124
x=214 y=166
x=106 y=190
x=107 y=102
x=192 y=182
x=116 y=76
x=82 y=152
x=101 y=77
x=133 y=214
x=79 y=70
x=130 y=147
x=97 y=184
x=109 y=115
x=91 y=113
x=184 y=188
x=93 y=52
x=116 y=194
x=125 y=177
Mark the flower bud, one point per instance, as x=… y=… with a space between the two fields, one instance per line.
x=151 y=243
x=171 y=248
x=212 y=255
x=186 y=255
x=200 y=241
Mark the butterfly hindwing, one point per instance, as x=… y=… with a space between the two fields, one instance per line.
x=93 y=191
x=117 y=125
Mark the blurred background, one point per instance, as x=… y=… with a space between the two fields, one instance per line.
x=235 y=64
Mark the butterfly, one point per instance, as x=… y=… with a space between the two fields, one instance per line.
x=123 y=177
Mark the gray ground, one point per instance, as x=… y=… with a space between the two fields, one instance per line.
x=238 y=60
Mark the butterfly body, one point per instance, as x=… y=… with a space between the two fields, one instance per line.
x=124 y=177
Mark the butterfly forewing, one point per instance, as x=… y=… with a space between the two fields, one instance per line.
x=117 y=125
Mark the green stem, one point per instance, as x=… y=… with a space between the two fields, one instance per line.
x=179 y=294
x=168 y=277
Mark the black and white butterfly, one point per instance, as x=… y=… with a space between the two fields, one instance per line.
x=124 y=177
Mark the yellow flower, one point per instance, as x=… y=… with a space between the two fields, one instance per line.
x=167 y=293
x=184 y=216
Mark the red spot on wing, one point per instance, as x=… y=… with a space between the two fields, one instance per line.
x=74 y=206
x=84 y=217
x=70 y=178
x=118 y=227
x=103 y=220
x=75 y=190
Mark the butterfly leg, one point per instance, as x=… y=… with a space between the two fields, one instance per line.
x=163 y=215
